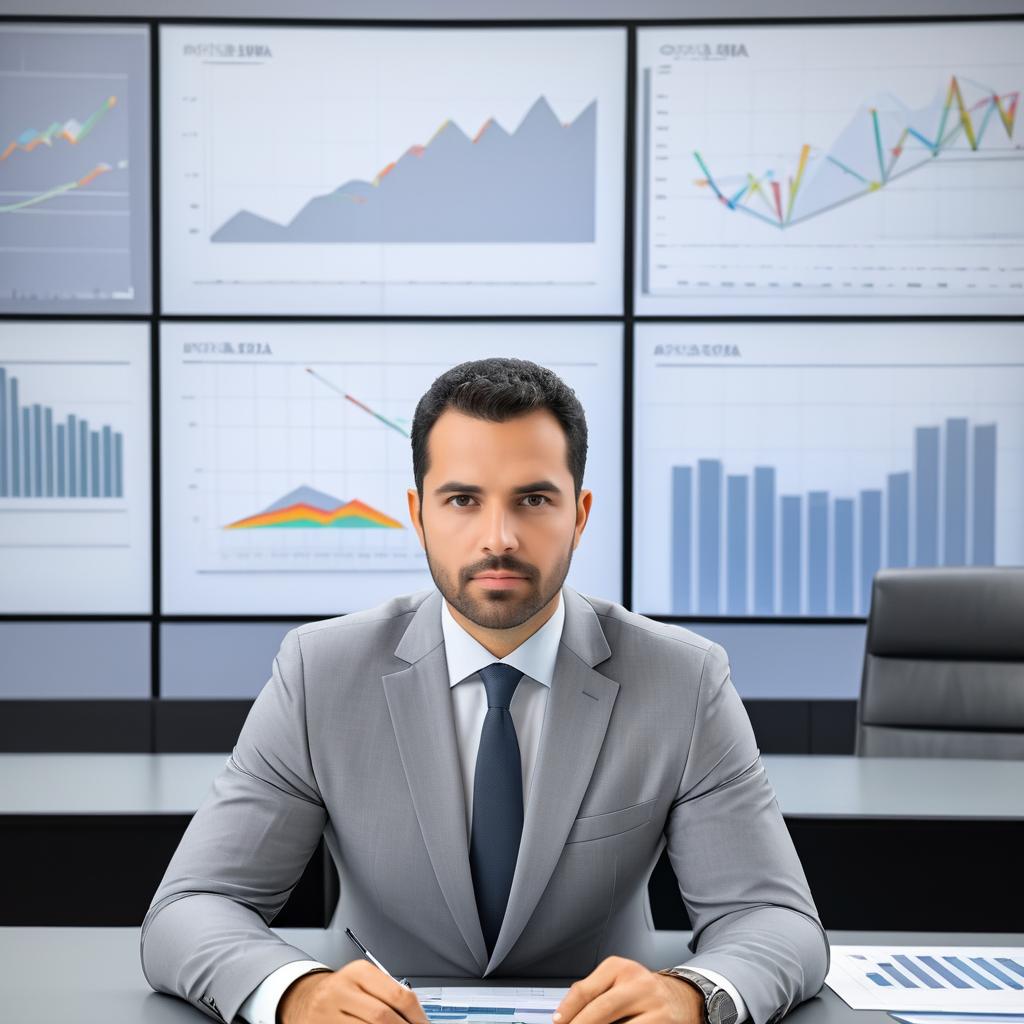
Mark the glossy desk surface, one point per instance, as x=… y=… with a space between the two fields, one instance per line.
x=807 y=785
x=93 y=975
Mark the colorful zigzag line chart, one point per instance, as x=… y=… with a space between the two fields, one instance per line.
x=800 y=171
x=878 y=146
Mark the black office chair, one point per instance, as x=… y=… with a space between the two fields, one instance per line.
x=944 y=665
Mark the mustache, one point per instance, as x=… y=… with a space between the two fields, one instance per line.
x=502 y=563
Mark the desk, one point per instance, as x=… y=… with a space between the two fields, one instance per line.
x=896 y=831
x=807 y=785
x=93 y=975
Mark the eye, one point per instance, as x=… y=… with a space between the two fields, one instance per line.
x=536 y=500
x=460 y=500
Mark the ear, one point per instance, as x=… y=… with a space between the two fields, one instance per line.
x=416 y=514
x=582 y=515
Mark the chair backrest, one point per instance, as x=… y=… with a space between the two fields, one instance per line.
x=944 y=664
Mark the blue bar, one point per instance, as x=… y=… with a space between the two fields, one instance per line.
x=898 y=975
x=37 y=449
x=844 y=556
x=48 y=435
x=996 y=973
x=15 y=442
x=94 y=463
x=72 y=457
x=737 y=495
x=791 y=555
x=919 y=973
x=1011 y=965
x=709 y=524
x=898 y=520
x=83 y=458
x=62 y=432
x=926 y=496
x=817 y=553
x=26 y=451
x=119 y=465
x=682 y=538
x=764 y=540
x=971 y=972
x=984 y=529
x=3 y=433
x=955 y=498
x=944 y=972
x=870 y=544
x=879 y=980
x=108 y=459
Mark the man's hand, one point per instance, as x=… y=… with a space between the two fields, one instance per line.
x=358 y=993
x=620 y=989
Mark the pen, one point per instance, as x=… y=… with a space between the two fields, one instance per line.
x=373 y=960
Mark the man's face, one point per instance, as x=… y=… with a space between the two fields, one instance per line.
x=499 y=519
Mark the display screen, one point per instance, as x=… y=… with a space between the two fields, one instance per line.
x=392 y=171
x=74 y=169
x=842 y=169
x=779 y=466
x=286 y=457
x=75 y=481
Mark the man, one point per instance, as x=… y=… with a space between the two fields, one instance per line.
x=497 y=766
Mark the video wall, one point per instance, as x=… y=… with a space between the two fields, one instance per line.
x=786 y=262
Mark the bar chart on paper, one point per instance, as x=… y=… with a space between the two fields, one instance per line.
x=815 y=169
x=784 y=467
x=286 y=456
x=968 y=979
x=74 y=467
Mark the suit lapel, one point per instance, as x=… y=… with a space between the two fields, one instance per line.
x=419 y=701
x=575 y=722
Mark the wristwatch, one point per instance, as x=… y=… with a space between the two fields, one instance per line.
x=718 y=1005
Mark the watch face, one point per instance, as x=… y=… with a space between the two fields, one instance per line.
x=721 y=1009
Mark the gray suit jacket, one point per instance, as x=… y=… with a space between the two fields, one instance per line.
x=645 y=744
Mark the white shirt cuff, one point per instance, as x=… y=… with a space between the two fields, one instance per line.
x=715 y=978
x=261 y=1006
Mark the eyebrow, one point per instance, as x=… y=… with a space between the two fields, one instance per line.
x=454 y=487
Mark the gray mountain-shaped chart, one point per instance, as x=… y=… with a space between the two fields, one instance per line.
x=305 y=496
x=535 y=184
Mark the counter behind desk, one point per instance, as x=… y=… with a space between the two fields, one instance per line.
x=886 y=843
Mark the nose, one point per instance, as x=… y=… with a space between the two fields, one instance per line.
x=499 y=536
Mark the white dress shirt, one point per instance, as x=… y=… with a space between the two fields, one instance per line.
x=535 y=657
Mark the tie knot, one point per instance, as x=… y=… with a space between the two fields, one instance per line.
x=500 y=681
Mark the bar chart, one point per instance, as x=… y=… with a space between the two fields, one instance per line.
x=974 y=980
x=783 y=466
x=74 y=467
x=41 y=458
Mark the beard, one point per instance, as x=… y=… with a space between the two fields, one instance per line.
x=500 y=609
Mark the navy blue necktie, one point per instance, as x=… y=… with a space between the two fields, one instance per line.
x=497 y=802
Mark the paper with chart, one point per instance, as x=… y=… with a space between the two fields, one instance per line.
x=511 y=1005
x=968 y=979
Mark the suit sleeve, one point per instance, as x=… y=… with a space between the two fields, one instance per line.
x=754 y=920
x=206 y=936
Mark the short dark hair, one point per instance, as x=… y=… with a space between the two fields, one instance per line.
x=500 y=389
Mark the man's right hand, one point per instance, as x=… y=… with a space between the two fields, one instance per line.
x=359 y=992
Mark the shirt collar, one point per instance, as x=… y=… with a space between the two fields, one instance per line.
x=534 y=657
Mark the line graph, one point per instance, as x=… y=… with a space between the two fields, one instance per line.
x=72 y=131
x=59 y=190
x=830 y=170
x=859 y=162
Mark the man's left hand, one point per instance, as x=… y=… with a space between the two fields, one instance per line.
x=620 y=989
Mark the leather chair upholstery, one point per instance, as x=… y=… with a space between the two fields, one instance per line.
x=944 y=664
